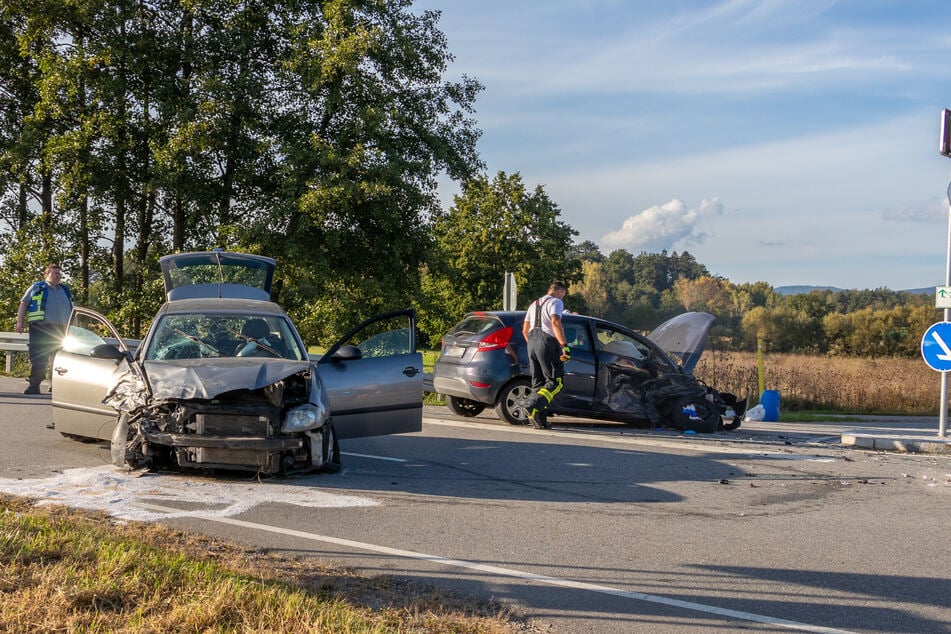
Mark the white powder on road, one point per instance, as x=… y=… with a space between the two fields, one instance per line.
x=119 y=493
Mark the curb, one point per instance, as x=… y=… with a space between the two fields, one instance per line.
x=904 y=444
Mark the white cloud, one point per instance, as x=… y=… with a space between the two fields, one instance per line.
x=662 y=226
x=816 y=122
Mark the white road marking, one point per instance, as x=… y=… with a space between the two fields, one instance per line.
x=689 y=443
x=519 y=574
x=372 y=457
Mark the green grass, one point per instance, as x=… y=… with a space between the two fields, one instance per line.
x=64 y=570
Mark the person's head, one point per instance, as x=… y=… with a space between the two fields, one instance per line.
x=557 y=289
x=53 y=273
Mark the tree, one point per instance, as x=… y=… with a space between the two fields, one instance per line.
x=497 y=226
x=310 y=131
x=587 y=251
x=592 y=288
x=704 y=293
x=367 y=123
x=619 y=267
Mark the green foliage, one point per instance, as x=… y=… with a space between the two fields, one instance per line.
x=493 y=227
x=309 y=131
x=314 y=132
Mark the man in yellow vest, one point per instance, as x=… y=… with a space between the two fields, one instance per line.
x=46 y=306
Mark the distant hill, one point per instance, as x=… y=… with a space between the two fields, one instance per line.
x=799 y=290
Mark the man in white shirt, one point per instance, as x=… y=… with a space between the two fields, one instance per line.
x=547 y=350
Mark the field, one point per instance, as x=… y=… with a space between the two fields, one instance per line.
x=854 y=385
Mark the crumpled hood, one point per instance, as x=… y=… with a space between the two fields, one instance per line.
x=684 y=337
x=207 y=378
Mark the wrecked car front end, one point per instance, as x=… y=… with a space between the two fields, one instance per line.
x=633 y=392
x=269 y=417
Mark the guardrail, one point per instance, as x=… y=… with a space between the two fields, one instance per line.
x=11 y=342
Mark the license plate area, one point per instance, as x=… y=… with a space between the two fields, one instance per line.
x=454 y=351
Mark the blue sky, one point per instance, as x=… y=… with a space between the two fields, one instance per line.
x=785 y=141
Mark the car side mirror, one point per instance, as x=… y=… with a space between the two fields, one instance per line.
x=347 y=353
x=109 y=351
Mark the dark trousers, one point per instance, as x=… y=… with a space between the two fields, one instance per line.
x=45 y=340
x=546 y=367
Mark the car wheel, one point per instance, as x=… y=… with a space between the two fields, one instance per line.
x=464 y=407
x=514 y=401
x=693 y=413
x=330 y=450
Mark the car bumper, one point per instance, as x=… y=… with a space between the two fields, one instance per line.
x=477 y=389
x=289 y=443
x=246 y=453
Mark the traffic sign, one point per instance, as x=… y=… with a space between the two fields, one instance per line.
x=942 y=297
x=936 y=346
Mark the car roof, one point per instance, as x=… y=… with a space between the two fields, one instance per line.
x=683 y=336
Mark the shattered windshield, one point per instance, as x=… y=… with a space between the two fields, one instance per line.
x=209 y=335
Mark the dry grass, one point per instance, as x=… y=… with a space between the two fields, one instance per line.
x=63 y=570
x=853 y=385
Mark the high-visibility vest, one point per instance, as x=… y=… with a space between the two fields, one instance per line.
x=37 y=308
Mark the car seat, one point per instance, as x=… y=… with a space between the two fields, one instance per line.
x=253 y=329
x=571 y=335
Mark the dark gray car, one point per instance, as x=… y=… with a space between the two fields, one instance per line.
x=613 y=374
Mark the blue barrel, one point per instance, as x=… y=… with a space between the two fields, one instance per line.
x=770 y=402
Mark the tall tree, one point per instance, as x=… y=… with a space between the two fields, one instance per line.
x=308 y=130
x=497 y=226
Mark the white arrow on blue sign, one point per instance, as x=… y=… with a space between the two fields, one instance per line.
x=936 y=346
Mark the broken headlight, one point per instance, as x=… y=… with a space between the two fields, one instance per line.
x=303 y=418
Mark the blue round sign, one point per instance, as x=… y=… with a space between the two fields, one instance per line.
x=936 y=346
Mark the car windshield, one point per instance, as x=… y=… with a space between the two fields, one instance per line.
x=209 y=335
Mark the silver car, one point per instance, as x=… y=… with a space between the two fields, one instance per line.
x=223 y=380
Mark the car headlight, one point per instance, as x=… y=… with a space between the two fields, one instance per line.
x=305 y=417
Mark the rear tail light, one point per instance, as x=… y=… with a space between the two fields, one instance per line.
x=496 y=340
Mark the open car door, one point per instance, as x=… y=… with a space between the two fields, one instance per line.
x=80 y=381
x=374 y=377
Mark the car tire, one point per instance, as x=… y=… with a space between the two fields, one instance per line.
x=514 y=401
x=464 y=406
x=695 y=413
x=330 y=450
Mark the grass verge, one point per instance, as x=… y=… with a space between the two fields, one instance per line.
x=67 y=570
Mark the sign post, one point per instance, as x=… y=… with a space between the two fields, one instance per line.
x=509 y=292
x=941 y=293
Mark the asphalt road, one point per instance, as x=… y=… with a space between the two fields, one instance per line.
x=584 y=528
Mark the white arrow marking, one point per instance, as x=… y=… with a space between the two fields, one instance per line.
x=947 y=351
